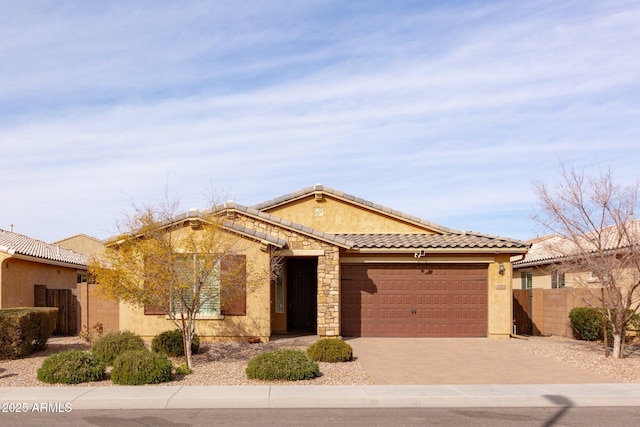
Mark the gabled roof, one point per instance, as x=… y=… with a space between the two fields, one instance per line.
x=281 y=222
x=86 y=236
x=467 y=241
x=305 y=192
x=22 y=246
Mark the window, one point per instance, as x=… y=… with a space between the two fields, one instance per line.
x=222 y=290
x=204 y=276
x=527 y=279
x=557 y=280
x=279 y=291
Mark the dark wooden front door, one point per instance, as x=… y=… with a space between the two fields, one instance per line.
x=302 y=299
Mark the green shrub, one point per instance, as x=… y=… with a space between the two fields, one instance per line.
x=25 y=330
x=136 y=367
x=183 y=369
x=71 y=367
x=282 y=364
x=330 y=350
x=172 y=344
x=113 y=344
x=586 y=323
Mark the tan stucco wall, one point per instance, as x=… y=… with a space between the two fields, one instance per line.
x=18 y=277
x=82 y=244
x=540 y=278
x=338 y=216
x=500 y=315
x=256 y=322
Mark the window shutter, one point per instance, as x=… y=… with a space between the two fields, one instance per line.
x=233 y=286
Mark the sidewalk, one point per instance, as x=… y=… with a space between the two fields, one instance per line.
x=376 y=396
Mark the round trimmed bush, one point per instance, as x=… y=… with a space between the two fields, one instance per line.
x=171 y=343
x=586 y=323
x=330 y=350
x=282 y=364
x=135 y=367
x=113 y=344
x=71 y=367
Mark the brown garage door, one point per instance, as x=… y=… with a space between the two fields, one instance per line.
x=414 y=301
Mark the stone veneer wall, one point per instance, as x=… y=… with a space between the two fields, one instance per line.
x=328 y=272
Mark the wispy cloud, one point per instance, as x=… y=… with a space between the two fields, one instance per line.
x=445 y=111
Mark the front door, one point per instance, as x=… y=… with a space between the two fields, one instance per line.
x=302 y=291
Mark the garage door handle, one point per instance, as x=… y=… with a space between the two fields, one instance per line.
x=414 y=311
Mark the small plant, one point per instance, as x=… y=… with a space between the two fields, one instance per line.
x=282 y=364
x=135 y=367
x=330 y=350
x=93 y=333
x=113 y=344
x=183 y=369
x=71 y=367
x=587 y=323
x=171 y=343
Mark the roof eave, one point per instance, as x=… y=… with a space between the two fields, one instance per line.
x=444 y=250
x=50 y=262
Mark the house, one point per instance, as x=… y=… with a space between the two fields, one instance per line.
x=553 y=277
x=83 y=244
x=351 y=267
x=535 y=269
x=40 y=274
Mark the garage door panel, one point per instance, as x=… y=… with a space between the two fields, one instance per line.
x=428 y=301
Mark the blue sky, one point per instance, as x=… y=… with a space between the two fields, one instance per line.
x=446 y=110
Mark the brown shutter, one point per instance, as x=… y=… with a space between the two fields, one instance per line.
x=233 y=285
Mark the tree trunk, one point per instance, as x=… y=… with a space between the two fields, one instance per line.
x=617 y=345
x=187 y=350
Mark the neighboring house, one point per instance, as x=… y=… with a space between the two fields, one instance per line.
x=36 y=273
x=535 y=269
x=355 y=268
x=81 y=243
x=558 y=283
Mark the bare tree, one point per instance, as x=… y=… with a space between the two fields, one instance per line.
x=600 y=241
x=185 y=265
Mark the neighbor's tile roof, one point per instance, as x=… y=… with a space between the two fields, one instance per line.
x=553 y=248
x=14 y=243
x=357 y=200
x=432 y=241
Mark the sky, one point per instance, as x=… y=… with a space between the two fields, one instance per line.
x=445 y=110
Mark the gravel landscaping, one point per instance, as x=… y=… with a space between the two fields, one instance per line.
x=215 y=364
x=587 y=355
x=225 y=363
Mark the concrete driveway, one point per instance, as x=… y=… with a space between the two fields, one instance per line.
x=462 y=361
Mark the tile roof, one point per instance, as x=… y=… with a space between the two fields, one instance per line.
x=275 y=241
x=339 y=194
x=432 y=241
x=552 y=248
x=14 y=243
x=332 y=238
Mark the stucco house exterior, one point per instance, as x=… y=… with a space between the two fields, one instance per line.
x=36 y=273
x=351 y=267
x=534 y=270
